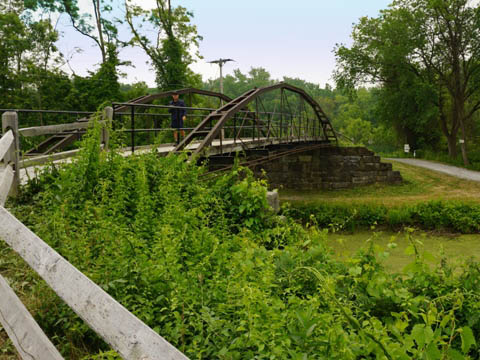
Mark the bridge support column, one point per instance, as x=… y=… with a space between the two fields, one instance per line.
x=327 y=168
x=10 y=122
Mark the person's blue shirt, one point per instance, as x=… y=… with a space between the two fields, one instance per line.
x=177 y=114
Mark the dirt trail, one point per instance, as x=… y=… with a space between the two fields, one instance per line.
x=446 y=169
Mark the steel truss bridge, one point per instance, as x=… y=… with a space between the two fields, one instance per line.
x=281 y=114
x=280 y=117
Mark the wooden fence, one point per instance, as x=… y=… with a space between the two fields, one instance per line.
x=62 y=129
x=9 y=151
x=124 y=332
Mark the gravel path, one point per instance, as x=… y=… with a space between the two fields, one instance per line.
x=446 y=169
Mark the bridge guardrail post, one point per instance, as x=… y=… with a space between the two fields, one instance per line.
x=10 y=122
x=108 y=119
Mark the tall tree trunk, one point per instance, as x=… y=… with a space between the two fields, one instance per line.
x=463 y=145
x=98 y=19
x=450 y=134
x=459 y=116
x=458 y=92
x=452 y=145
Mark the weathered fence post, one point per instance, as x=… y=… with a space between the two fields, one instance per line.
x=107 y=119
x=10 y=122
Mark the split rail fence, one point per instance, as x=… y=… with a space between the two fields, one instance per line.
x=125 y=333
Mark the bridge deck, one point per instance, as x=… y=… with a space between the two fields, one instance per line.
x=30 y=166
x=228 y=145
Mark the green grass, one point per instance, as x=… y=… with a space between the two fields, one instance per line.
x=419 y=185
x=454 y=249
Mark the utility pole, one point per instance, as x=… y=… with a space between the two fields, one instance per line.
x=220 y=63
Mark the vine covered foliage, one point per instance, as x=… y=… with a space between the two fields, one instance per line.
x=211 y=269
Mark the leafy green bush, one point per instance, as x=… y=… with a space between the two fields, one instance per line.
x=432 y=215
x=210 y=268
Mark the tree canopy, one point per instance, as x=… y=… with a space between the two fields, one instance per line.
x=424 y=55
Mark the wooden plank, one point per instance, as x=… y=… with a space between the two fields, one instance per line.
x=55 y=129
x=6 y=180
x=125 y=333
x=27 y=337
x=6 y=143
x=10 y=122
x=43 y=159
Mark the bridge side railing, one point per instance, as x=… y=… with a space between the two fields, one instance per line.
x=299 y=122
x=138 y=120
x=246 y=125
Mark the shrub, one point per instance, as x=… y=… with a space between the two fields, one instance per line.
x=432 y=215
x=206 y=265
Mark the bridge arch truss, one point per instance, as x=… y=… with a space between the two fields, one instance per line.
x=282 y=113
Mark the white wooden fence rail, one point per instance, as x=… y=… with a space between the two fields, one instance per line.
x=7 y=174
x=125 y=333
x=22 y=329
x=9 y=155
x=6 y=142
x=7 y=177
x=54 y=129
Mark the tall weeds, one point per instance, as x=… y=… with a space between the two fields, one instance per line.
x=210 y=268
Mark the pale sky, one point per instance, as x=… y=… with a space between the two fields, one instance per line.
x=287 y=38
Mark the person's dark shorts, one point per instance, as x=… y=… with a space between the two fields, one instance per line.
x=177 y=124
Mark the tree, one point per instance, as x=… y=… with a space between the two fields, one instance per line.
x=238 y=83
x=170 y=53
x=435 y=41
x=360 y=131
x=12 y=45
x=101 y=30
x=28 y=58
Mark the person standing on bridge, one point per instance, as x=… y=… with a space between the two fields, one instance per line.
x=178 y=116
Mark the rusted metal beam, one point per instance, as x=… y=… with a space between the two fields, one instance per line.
x=223 y=114
x=149 y=98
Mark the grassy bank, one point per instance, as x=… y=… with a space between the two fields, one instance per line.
x=427 y=200
x=420 y=185
x=444 y=216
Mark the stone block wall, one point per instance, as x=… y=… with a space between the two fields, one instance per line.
x=328 y=168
